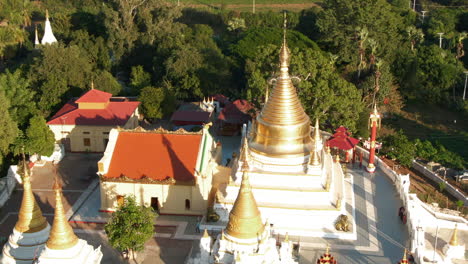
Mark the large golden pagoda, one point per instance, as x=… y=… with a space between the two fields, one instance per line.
x=282 y=128
x=245 y=221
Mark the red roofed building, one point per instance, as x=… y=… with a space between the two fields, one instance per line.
x=84 y=124
x=168 y=170
x=233 y=116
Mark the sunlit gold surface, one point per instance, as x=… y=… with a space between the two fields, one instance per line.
x=314 y=158
x=205 y=233
x=30 y=218
x=244 y=219
x=454 y=238
x=282 y=127
x=61 y=234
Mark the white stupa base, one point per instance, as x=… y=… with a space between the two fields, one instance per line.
x=78 y=254
x=454 y=252
x=22 y=248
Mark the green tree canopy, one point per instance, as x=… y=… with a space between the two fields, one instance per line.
x=17 y=90
x=39 y=138
x=151 y=99
x=9 y=129
x=130 y=226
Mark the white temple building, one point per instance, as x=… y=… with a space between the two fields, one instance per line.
x=246 y=239
x=63 y=246
x=30 y=232
x=292 y=175
x=48 y=37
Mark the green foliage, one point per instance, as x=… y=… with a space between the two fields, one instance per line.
x=39 y=138
x=425 y=150
x=398 y=146
x=340 y=19
x=130 y=226
x=151 y=99
x=60 y=72
x=247 y=47
x=9 y=128
x=139 y=79
x=449 y=159
x=442 y=186
x=104 y=81
x=21 y=97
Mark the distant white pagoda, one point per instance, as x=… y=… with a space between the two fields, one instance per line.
x=63 y=246
x=48 y=37
x=30 y=232
x=246 y=239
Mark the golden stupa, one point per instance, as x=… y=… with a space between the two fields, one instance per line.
x=282 y=128
x=454 y=238
x=245 y=221
x=30 y=218
x=61 y=234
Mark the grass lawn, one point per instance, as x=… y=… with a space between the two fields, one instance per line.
x=246 y=5
x=423 y=121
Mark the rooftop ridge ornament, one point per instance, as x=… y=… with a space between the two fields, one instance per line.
x=454 y=238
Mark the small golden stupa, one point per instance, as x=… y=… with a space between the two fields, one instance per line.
x=245 y=221
x=61 y=234
x=30 y=218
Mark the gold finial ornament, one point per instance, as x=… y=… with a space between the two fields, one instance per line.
x=405 y=259
x=286 y=238
x=314 y=158
x=316 y=131
x=205 y=233
x=244 y=156
x=375 y=117
x=283 y=128
x=245 y=221
x=454 y=238
x=30 y=218
x=92 y=85
x=61 y=234
x=47 y=14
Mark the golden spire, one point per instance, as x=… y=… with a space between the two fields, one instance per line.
x=405 y=259
x=454 y=238
x=282 y=126
x=314 y=158
x=30 y=218
x=245 y=221
x=244 y=155
x=92 y=85
x=47 y=14
x=316 y=131
x=205 y=233
x=61 y=234
x=286 y=238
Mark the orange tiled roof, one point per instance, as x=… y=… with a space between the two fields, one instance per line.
x=157 y=156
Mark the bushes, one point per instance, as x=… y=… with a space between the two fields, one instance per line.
x=398 y=146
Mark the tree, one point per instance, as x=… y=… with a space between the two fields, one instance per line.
x=425 y=149
x=130 y=226
x=151 y=99
x=9 y=128
x=398 y=146
x=21 y=97
x=39 y=138
x=414 y=35
x=139 y=79
x=104 y=81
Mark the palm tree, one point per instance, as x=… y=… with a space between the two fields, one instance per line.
x=372 y=44
x=415 y=36
x=460 y=50
x=362 y=34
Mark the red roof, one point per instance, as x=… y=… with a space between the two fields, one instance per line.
x=342 y=140
x=94 y=96
x=236 y=112
x=155 y=155
x=198 y=117
x=115 y=114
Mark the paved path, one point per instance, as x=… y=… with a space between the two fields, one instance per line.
x=381 y=236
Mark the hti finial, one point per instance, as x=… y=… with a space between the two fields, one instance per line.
x=284 y=52
x=92 y=85
x=285 y=25
x=47 y=14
